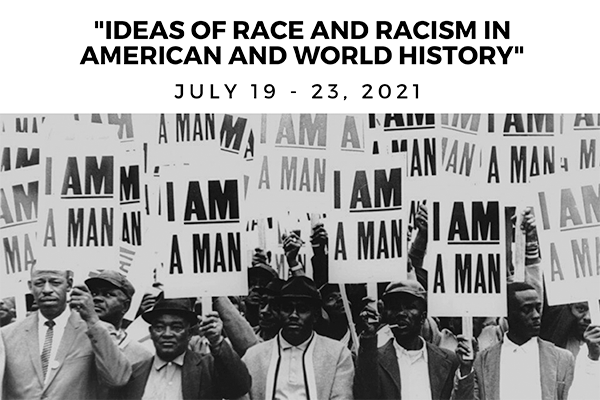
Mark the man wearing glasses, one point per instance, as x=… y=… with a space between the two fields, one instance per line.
x=298 y=363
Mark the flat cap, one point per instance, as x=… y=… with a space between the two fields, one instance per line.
x=182 y=307
x=409 y=286
x=115 y=278
x=301 y=287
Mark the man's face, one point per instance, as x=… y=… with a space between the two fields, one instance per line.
x=581 y=312
x=49 y=290
x=407 y=312
x=6 y=310
x=269 y=313
x=110 y=303
x=170 y=334
x=333 y=304
x=524 y=316
x=297 y=318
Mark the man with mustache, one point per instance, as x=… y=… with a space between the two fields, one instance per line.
x=58 y=354
x=406 y=366
x=298 y=363
x=522 y=366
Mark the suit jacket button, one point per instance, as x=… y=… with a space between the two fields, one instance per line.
x=55 y=364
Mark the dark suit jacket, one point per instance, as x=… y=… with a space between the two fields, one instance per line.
x=378 y=376
x=556 y=372
x=221 y=374
x=85 y=359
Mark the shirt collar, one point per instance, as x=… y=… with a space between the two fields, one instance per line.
x=302 y=346
x=159 y=362
x=59 y=322
x=528 y=347
x=414 y=355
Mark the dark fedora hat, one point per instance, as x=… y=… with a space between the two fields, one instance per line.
x=273 y=288
x=301 y=287
x=181 y=307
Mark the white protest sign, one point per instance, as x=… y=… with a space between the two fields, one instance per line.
x=19 y=205
x=568 y=225
x=466 y=254
x=131 y=193
x=460 y=146
x=411 y=134
x=580 y=141
x=291 y=163
x=366 y=225
x=21 y=123
x=201 y=235
x=125 y=122
x=79 y=209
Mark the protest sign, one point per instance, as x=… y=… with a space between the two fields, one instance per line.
x=19 y=205
x=466 y=255
x=291 y=163
x=568 y=215
x=460 y=146
x=366 y=226
x=21 y=123
x=200 y=238
x=579 y=142
x=411 y=134
x=79 y=208
x=125 y=122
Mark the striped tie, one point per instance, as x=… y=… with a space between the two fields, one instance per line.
x=47 y=346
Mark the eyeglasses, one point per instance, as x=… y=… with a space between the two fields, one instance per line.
x=289 y=307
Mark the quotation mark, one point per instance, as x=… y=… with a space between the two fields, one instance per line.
x=99 y=24
x=518 y=49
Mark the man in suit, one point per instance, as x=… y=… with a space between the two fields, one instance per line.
x=298 y=363
x=58 y=354
x=522 y=366
x=178 y=373
x=406 y=366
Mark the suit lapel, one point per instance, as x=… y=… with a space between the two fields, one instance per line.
x=32 y=336
x=439 y=368
x=190 y=385
x=491 y=372
x=64 y=347
x=548 y=368
x=389 y=362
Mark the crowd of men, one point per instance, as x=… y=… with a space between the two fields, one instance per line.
x=291 y=339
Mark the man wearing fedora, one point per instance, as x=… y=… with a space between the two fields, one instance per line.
x=178 y=373
x=406 y=366
x=298 y=363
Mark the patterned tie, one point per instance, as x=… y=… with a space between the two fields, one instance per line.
x=47 y=346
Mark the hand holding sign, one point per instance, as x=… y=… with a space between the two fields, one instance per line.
x=83 y=303
x=370 y=316
x=211 y=327
x=591 y=336
x=291 y=245
x=466 y=354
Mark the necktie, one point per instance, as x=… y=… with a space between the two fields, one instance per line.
x=47 y=346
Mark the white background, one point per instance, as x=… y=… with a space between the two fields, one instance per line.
x=42 y=43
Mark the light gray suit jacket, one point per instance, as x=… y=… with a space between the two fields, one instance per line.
x=556 y=372
x=333 y=368
x=86 y=358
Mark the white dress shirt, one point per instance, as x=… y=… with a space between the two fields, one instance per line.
x=290 y=377
x=164 y=380
x=520 y=370
x=414 y=372
x=57 y=333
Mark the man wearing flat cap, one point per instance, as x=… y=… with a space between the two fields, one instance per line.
x=175 y=372
x=112 y=292
x=298 y=363
x=406 y=366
